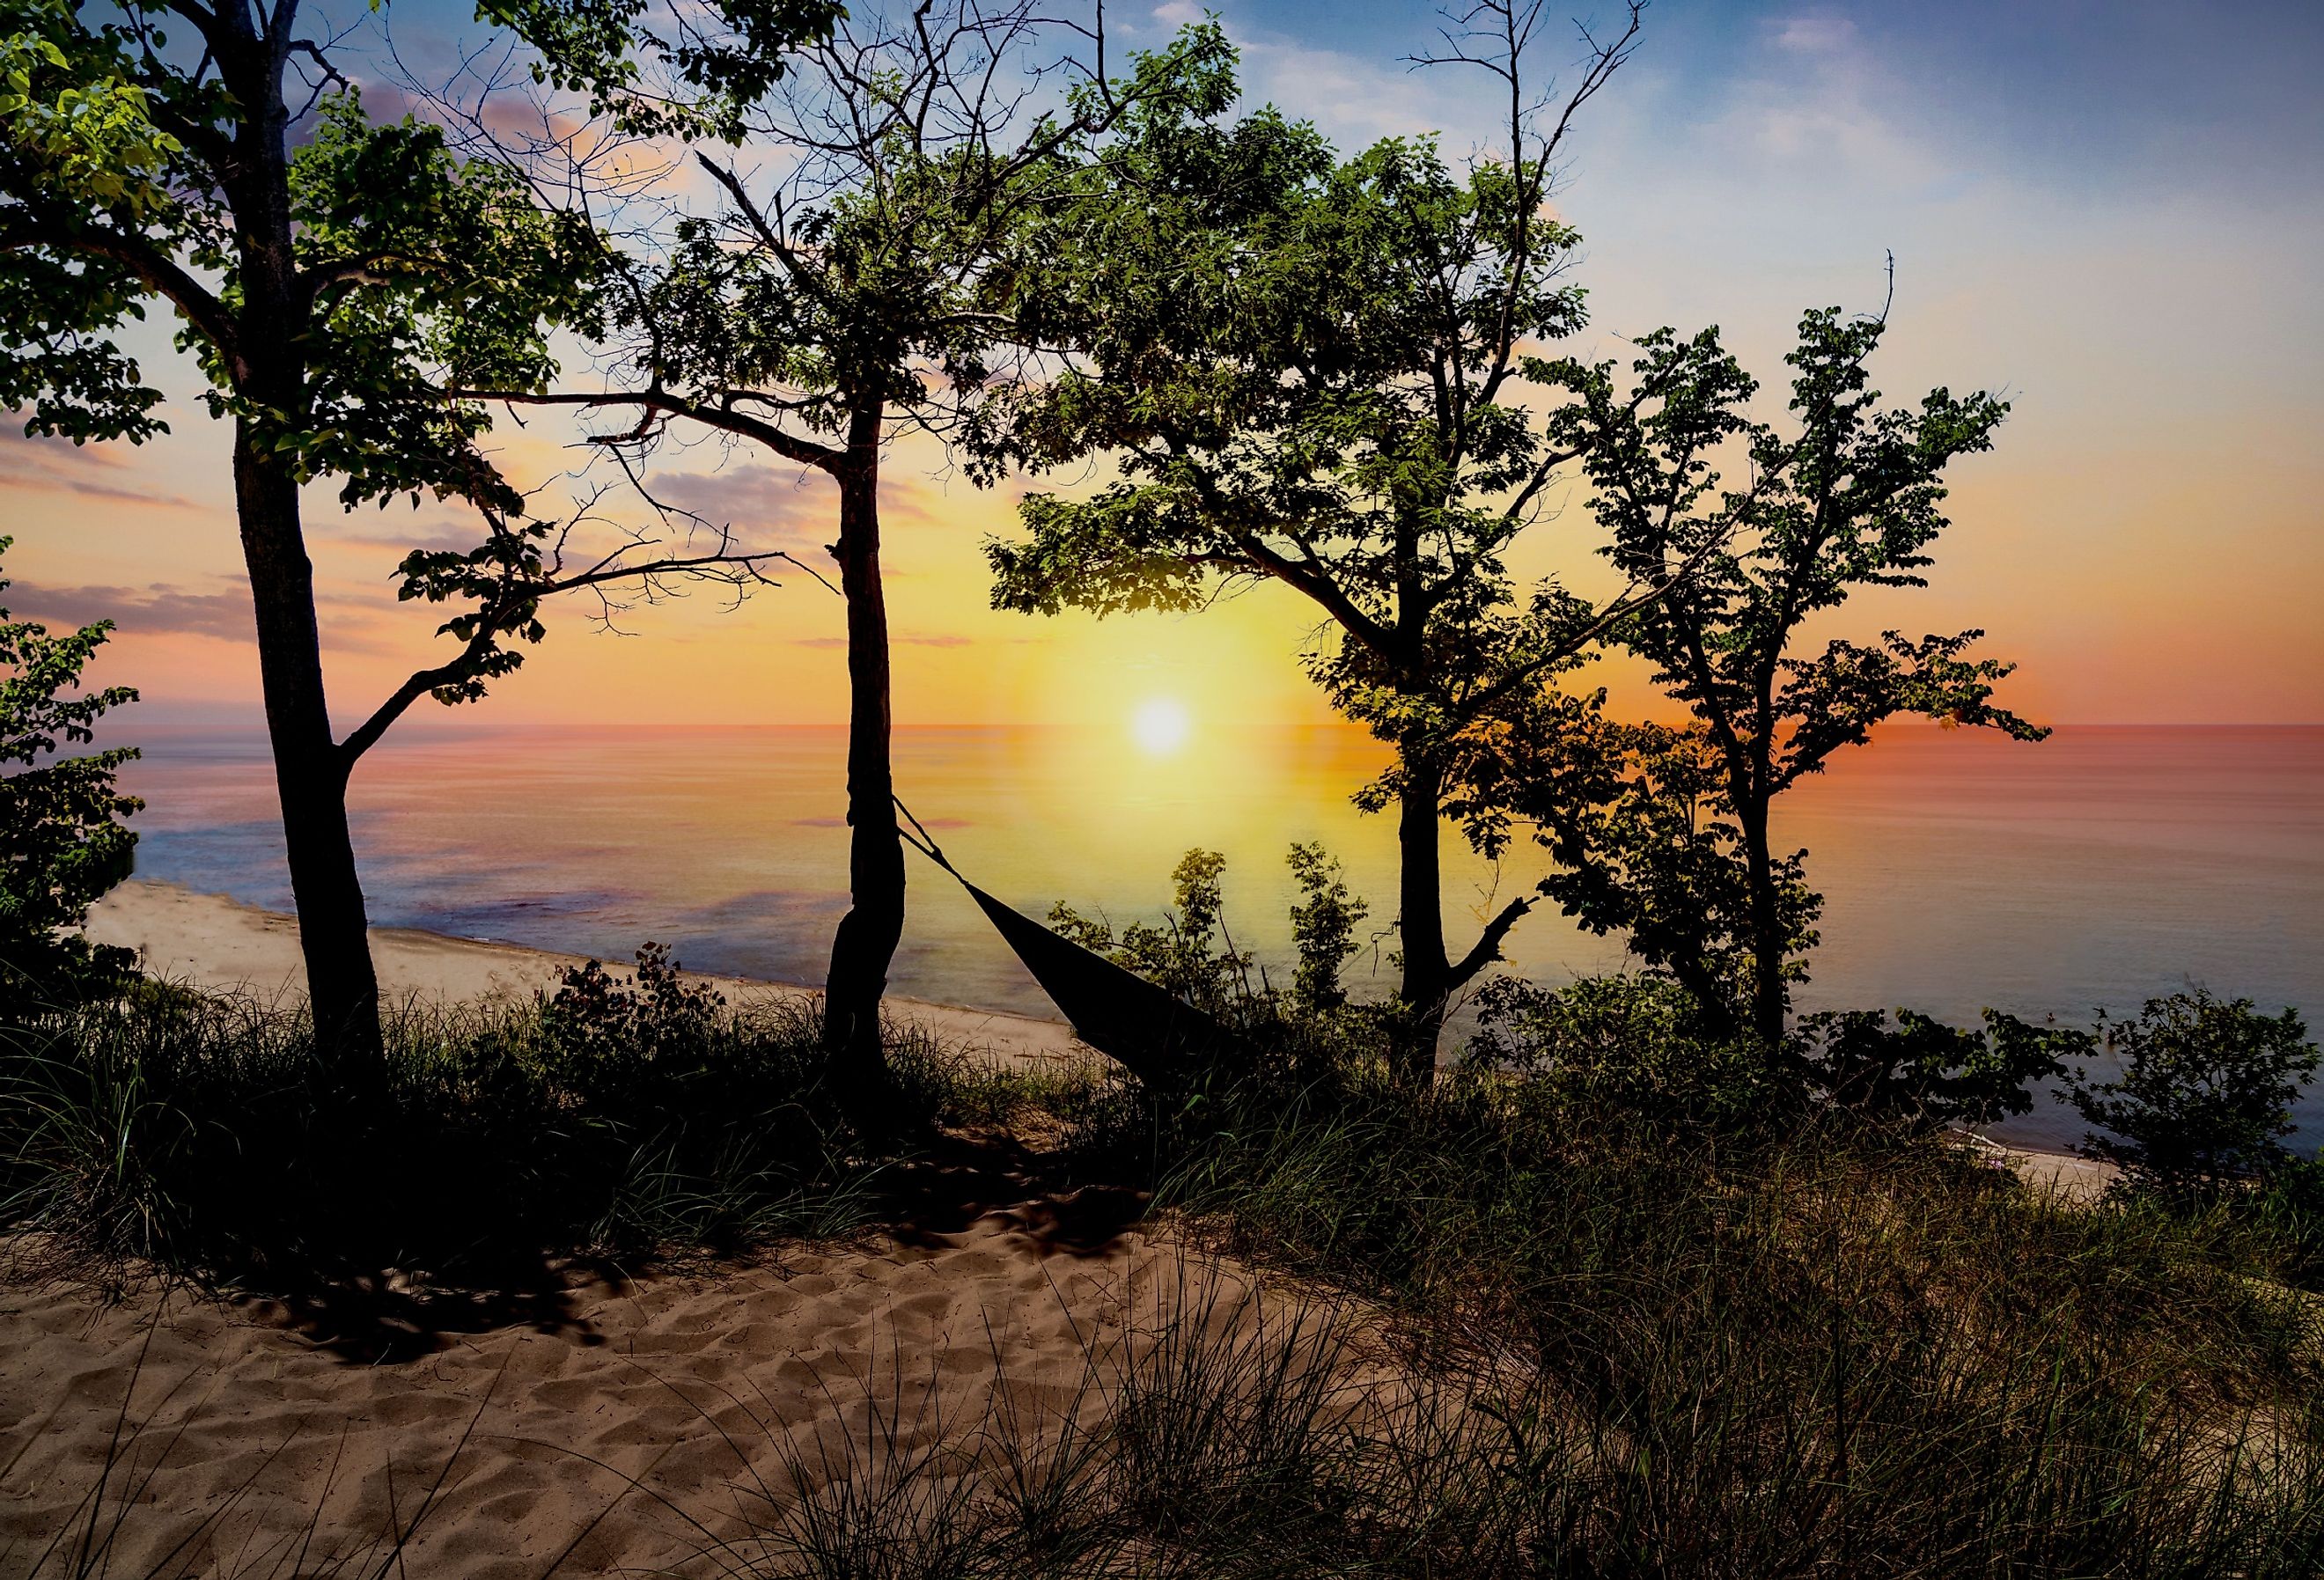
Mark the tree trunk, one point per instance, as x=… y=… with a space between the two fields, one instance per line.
x=865 y=944
x=1768 y=996
x=1420 y=924
x=308 y=774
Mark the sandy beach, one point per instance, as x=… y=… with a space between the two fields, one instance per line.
x=623 y=1425
x=211 y=941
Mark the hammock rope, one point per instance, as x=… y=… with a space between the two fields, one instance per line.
x=1156 y=1036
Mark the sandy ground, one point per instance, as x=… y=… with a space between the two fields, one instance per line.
x=630 y=1423
x=215 y=942
x=592 y=1422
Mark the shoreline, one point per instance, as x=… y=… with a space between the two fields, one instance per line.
x=216 y=942
x=223 y=944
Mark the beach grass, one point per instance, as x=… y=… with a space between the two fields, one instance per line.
x=1534 y=1328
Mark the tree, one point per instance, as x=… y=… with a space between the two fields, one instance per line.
x=1675 y=847
x=62 y=844
x=2202 y=1090
x=331 y=276
x=854 y=296
x=1313 y=371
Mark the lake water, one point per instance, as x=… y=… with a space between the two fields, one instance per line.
x=2098 y=868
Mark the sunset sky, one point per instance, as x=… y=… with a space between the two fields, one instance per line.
x=2112 y=213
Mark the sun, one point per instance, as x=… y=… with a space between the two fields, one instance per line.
x=1161 y=726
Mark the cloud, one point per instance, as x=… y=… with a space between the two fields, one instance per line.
x=44 y=464
x=767 y=507
x=159 y=608
x=1815 y=35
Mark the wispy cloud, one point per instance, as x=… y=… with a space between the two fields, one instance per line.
x=162 y=609
x=766 y=506
x=40 y=464
x=157 y=607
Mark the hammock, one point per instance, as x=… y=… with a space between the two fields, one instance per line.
x=1156 y=1036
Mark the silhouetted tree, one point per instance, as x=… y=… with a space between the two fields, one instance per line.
x=62 y=843
x=1675 y=849
x=332 y=276
x=1315 y=372
x=851 y=295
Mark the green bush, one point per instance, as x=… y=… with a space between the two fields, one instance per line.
x=62 y=844
x=1922 y=1074
x=2202 y=1093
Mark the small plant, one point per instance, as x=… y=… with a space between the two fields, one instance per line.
x=2203 y=1090
x=1191 y=952
x=1324 y=925
x=603 y=1024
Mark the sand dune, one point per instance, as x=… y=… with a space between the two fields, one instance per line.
x=605 y=1426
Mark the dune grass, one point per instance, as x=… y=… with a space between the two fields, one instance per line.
x=1596 y=1338
x=195 y=1133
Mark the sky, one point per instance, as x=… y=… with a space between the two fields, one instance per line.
x=2110 y=213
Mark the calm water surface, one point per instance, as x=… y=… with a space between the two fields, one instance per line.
x=2098 y=868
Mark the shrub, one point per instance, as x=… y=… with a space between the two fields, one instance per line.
x=1324 y=925
x=62 y=844
x=196 y=1132
x=2203 y=1090
x=1922 y=1074
x=1188 y=953
x=1638 y=1047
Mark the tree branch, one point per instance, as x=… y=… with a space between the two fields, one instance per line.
x=25 y=229
x=1488 y=948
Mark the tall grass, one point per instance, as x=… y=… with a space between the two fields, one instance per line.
x=1545 y=1329
x=195 y=1132
x=1235 y=1432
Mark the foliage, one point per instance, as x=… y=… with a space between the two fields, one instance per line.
x=1186 y=951
x=1314 y=371
x=1323 y=924
x=1924 y=1075
x=607 y=1028
x=197 y=1131
x=2290 y=1205
x=2203 y=1087
x=1644 y=1045
x=62 y=843
x=1638 y=1046
x=1604 y=1345
x=697 y=71
x=1678 y=852
x=1190 y=952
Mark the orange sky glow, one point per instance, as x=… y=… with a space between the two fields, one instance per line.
x=2145 y=539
